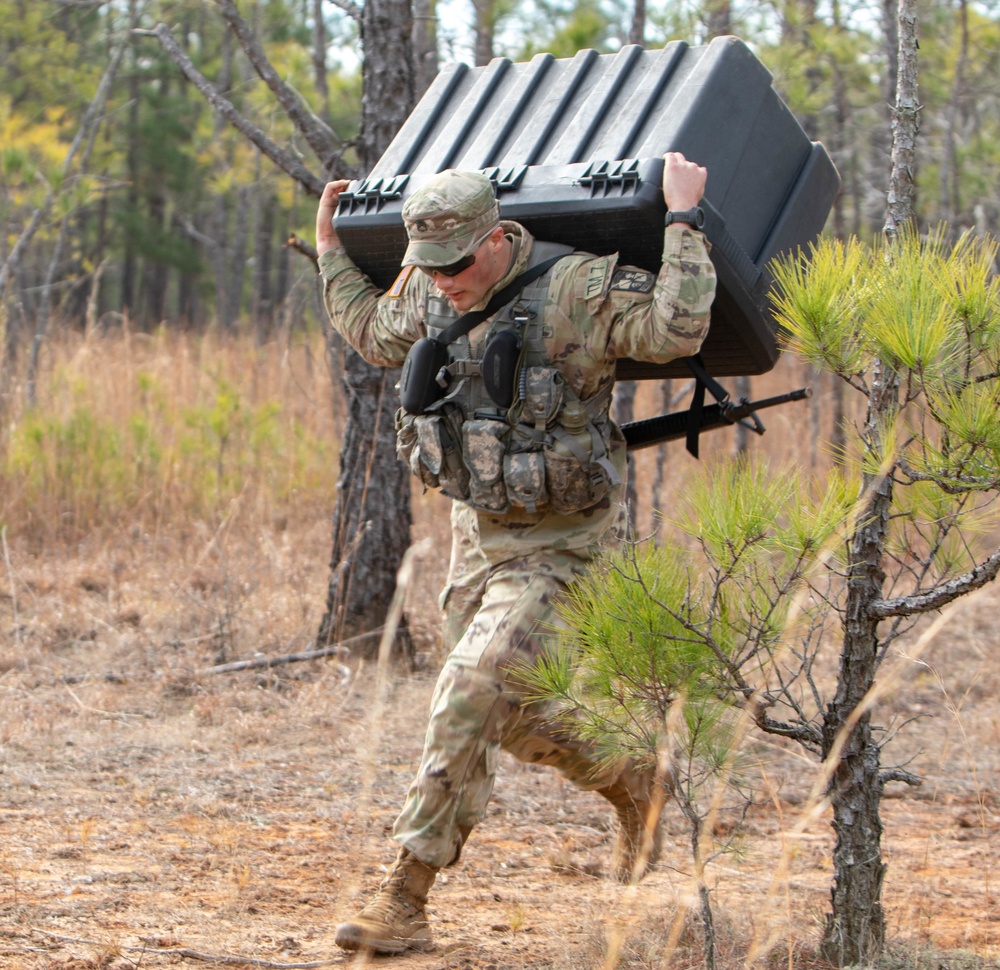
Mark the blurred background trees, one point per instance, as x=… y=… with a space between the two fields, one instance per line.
x=175 y=218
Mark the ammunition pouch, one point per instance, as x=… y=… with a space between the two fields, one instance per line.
x=431 y=447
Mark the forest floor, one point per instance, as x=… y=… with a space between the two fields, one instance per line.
x=155 y=814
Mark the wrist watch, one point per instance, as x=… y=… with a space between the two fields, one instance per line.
x=694 y=217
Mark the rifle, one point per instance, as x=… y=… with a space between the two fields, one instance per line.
x=670 y=427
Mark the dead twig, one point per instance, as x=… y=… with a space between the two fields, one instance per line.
x=301 y=246
x=258 y=663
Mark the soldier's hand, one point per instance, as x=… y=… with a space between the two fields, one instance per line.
x=326 y=235
x=683 y=182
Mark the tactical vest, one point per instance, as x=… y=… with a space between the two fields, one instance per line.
x=509 y=431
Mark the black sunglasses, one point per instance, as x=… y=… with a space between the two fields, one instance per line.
x=460 y=265
x=452 y=269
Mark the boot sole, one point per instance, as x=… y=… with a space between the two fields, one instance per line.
x=352 y=937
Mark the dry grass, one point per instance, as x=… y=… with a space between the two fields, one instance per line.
x=153 y=811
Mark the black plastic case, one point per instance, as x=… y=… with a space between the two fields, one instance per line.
x=574 y=147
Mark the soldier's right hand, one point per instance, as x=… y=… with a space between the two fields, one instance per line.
x=326 y=235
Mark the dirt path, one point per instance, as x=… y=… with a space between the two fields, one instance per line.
x=153 y=815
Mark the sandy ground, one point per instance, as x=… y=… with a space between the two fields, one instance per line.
x=155 y=814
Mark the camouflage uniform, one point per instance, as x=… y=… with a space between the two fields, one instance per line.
x=508 y=570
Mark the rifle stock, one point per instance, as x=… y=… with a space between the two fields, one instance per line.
x=670 y=427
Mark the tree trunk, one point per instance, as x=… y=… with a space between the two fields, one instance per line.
x=718 y=18
x=129 y=259
x=319 y=59
x=387 y=81
x=637 y=29
x=425 y=45
x=855 y=929
x=372 y=517
x=950 y=204
x=905 y=125
x=485 y=25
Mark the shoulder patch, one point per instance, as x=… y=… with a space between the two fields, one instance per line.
x=597 y=278
x=396 y=290
x=633 y=280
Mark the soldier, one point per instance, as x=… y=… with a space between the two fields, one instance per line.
x=511 y=420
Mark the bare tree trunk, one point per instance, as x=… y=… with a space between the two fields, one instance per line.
x=485 y=25
x=236 y=260
x=388 y=82
x=905 y=125
x=85 y=136
x=838 y=141
x=855 y=929
x=425 y=46
x=319 y=59
x=950 y=186
x=718 y=18
x=372 y=518
x=637 y=29
x=130 y=260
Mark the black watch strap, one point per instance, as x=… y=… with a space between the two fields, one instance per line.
x=694 y=217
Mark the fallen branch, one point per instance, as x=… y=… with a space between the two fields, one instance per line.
x=259 y=663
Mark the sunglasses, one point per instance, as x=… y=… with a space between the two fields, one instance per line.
x=460 y=265
x=452 y=269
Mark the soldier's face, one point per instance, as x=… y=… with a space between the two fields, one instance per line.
x=466 y=289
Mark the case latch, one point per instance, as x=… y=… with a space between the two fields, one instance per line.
x=602 y=177
x=372 y=194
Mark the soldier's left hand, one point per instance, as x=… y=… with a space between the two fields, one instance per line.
x=683 y=182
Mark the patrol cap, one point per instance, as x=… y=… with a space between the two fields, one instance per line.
x=448 y=217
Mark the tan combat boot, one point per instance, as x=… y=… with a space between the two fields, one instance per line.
x=394 y=920
x=637 y=831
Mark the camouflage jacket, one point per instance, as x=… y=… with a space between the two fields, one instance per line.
x=596 y=312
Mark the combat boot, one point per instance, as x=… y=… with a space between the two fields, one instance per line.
x=637 y=831
x=394 y=920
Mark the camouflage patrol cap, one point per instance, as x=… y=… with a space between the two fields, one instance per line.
x=448 y=217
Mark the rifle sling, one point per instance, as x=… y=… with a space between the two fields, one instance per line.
x=702 y=380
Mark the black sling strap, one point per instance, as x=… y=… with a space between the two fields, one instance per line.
x=702 y=380
x=467 y=321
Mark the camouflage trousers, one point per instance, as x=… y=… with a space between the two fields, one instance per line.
x=477 y=708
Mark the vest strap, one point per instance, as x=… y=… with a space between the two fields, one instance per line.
x=467 y=321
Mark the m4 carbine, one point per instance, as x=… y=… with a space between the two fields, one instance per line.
x=688 y=424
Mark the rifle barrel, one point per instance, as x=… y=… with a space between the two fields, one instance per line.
x=670 y=427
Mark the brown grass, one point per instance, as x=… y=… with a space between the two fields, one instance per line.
x=153 y=812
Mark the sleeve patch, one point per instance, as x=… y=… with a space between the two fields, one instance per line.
x=633 y=281
x=396 y=290
x=597 y=278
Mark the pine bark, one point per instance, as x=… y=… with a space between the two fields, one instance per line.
x=855 y=929
x=372 y=517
